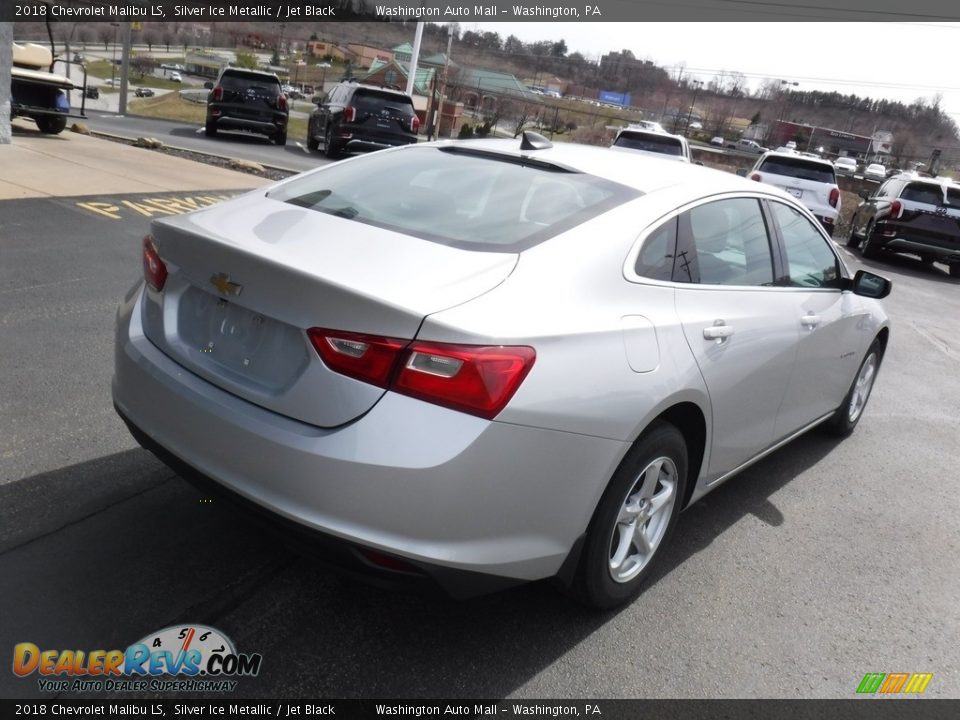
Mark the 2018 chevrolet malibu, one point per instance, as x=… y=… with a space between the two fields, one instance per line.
x=485 y=362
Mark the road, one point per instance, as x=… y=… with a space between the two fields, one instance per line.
x=823 y=562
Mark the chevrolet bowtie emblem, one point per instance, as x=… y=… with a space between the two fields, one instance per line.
x=221 y=281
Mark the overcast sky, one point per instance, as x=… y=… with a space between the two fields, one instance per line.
x=895 y=60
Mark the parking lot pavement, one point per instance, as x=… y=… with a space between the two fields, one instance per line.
x=823 y=562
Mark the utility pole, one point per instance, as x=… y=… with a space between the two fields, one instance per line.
x=443 y=84
x=6 y=64
x=125 y=69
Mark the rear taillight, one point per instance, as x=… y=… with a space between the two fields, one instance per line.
x=217 y=93
x=369 y=358
x=281 y=102
x=414 y=124
x=755 y=176
x=475 y=379
x=154 y=269
x=479 y=380
x=834 y=197
x=349 y=113
x=895 y=208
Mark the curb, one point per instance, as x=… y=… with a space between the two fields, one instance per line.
x=100 y=133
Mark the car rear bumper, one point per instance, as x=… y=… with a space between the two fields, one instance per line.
x=921 y=247
x=448 y=492
x=266 y=126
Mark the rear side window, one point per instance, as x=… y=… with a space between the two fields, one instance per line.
x=467 y=199
x=953 y=196
x=729 y=244
x=923 y=193
x=655 y=260
x=242 y=81
x=799 y=168
x=651 y=142
x=371 y=101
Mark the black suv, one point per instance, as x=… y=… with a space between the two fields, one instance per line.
x=356 y=118
x=248 y=100
x=910 y=214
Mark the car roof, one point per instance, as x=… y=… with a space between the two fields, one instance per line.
x=246 y=71
x=378 y=88
x=645 y=172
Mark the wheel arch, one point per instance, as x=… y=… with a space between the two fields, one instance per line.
x=690 y=420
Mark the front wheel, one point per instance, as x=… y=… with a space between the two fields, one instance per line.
x=852 y=240
x=847 y=416
x=329 y=149
x=634 y=519
x=870 y=250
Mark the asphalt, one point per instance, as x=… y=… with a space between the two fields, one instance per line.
x=72 y=164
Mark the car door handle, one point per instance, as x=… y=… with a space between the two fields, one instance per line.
x=810 y=321
x=717 y=332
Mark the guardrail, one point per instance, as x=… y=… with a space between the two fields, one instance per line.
x=194 y=96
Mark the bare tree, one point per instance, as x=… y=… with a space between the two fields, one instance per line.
x=142 y=64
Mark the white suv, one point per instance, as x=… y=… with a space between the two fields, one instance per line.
x=652 y=142
x=813 y=182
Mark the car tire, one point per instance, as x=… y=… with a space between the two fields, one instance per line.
x=870 y=250
x=954 y=269
x=280 y=138
x=852 y=240
x=846 y=417
x=329 y=149
x=210 y=129
x=312 y=143
x=51 y=125
x=643 y=500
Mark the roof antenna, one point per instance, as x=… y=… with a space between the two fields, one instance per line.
x=534 y=141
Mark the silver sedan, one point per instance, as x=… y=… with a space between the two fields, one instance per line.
x=484 y=363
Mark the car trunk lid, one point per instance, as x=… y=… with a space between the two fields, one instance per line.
x=247 y=280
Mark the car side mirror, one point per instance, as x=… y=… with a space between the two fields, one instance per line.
x=208 y=85
x=864 y=194
x=742 y=172
x=871 y=285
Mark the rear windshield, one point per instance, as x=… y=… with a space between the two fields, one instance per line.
x=923 y=193
x=953 y=196
x=799 y=168
x=240 y=81
x=462 y=198
x=371 y=101
x=651 y=142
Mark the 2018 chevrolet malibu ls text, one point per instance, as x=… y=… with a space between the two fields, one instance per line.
x=483 y=363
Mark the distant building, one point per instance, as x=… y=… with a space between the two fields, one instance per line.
x=206 y=63
x=833 y=142
x=364 y=55
x=481 y=89
x=403 y=53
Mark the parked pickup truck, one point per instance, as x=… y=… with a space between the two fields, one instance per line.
x=37 y=93
x=750 y=146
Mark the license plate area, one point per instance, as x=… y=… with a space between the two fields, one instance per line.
x=238 y=344
x=796 y=192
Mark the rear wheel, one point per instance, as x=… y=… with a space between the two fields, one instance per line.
x=312 y=142
x=280 y=138
x=847 y=416
x=634 y=519
x=955 y=269
x=50 y=124
x=211 y=129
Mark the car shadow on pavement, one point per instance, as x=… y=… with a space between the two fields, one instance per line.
x=223 y=136
x=124 y=548
x=908 y=265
